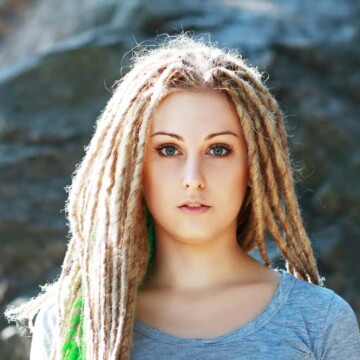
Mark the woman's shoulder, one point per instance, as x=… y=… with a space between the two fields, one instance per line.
x=327 y=317
x=315 y=296
x=317 y=319
x=44 y=328
x=48 y=312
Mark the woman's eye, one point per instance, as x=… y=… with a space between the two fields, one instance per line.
x=167 y=153
x=219 y=148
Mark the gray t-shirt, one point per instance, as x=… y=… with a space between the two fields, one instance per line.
x=303 y=321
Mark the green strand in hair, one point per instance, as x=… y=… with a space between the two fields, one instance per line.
x=71 y=349
x=151 y=240
x=151 y=236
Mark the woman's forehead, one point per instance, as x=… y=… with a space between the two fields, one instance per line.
x=205 y=111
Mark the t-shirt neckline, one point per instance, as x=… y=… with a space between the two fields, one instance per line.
x=272 y=308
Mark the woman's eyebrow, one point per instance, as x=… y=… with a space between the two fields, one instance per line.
x=208 y=137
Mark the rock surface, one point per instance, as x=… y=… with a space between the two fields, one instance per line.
x=54 y=83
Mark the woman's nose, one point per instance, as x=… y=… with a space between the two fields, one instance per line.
x=193 y=177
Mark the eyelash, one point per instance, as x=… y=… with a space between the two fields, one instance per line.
x=228 y=148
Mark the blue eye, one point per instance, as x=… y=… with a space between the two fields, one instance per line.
x=222 y=147
x=162 y=147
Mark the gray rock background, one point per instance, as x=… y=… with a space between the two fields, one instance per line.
x=57 y=61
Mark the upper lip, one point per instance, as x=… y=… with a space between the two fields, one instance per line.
x=193 y=202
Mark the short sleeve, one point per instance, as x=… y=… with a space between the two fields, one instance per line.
x=43 y=332
x=340 y=335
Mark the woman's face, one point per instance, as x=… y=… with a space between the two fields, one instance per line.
x=193 y=164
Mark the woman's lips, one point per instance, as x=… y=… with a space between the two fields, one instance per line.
x=194 y=210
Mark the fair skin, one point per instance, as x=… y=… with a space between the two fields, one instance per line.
x=200 y=274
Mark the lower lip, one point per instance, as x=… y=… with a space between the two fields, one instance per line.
x=195 y=210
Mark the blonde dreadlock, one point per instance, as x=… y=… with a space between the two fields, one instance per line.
x=108 y=253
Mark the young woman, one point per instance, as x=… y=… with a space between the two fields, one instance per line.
x=187 y=172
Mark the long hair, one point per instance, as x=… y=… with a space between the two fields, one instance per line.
x=110 y=246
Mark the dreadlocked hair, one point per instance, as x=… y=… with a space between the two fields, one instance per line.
x=112 y=243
